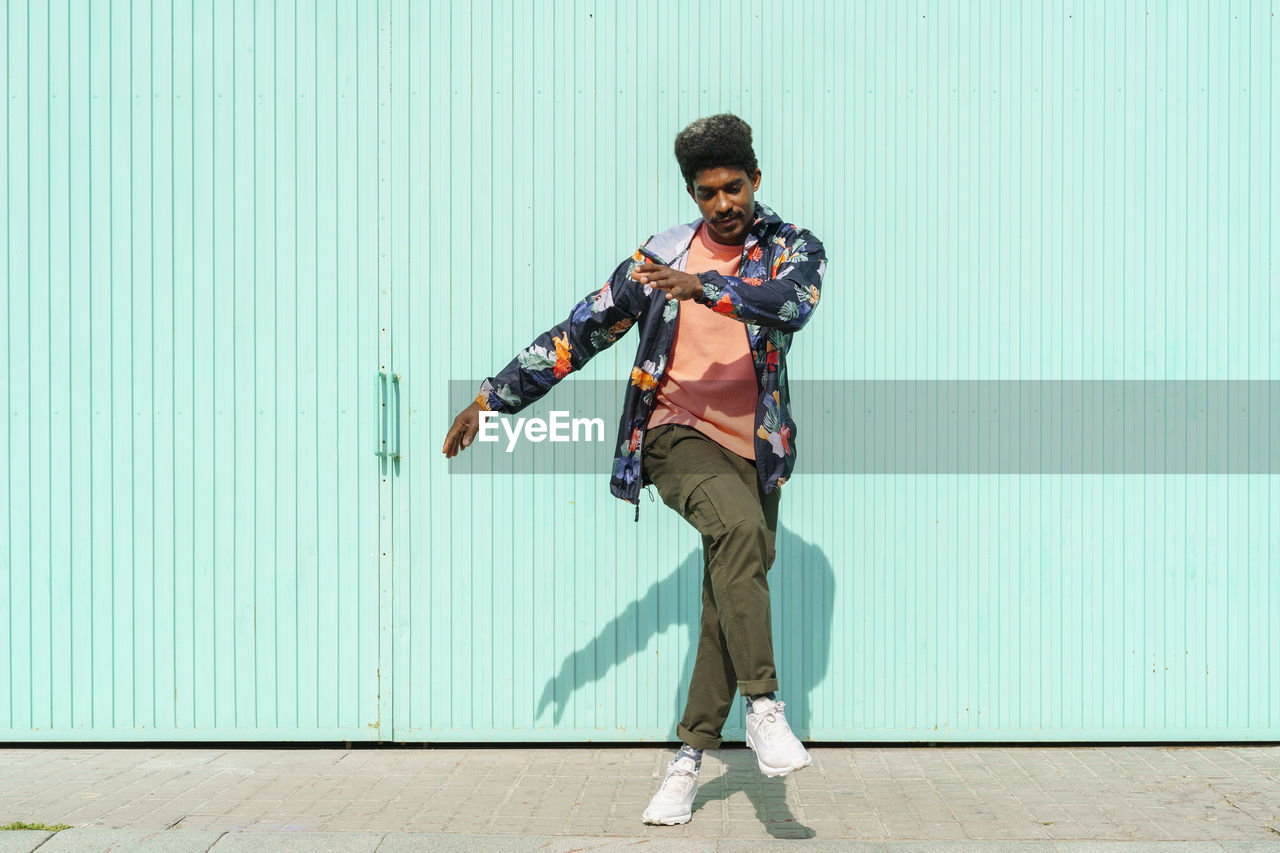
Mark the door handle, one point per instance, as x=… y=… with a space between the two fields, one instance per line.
x=381 y=452
x=395 y=383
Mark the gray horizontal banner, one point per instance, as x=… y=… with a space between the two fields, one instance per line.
x=930 y=427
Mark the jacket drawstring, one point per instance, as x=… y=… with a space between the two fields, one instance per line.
x=647 y=492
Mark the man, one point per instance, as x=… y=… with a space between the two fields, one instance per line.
x=706 y=419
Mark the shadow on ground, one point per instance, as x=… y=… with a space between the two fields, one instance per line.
x=768 y=796
x=802 y=586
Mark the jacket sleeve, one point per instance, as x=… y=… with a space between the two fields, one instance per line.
x=784 y=301
x=595 y=324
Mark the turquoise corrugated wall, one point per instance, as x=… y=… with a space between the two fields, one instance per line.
x=231 y=227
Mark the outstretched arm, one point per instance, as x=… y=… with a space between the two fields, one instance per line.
x=595 y=324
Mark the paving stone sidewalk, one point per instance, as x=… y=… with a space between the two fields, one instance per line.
x=1081 y=799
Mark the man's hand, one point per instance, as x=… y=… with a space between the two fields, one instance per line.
x=463 y=432
x=678 y=285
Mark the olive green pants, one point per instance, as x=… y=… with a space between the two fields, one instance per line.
x=717 y=491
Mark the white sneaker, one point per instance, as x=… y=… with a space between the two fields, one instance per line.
x=674 y=801
x=777 y=750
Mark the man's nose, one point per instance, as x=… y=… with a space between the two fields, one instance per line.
x=723 y=204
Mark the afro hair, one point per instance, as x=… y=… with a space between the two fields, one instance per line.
x=718 y=140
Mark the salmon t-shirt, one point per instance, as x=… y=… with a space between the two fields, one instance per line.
x=710 y=382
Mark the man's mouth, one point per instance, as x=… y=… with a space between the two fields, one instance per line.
x=728 y=220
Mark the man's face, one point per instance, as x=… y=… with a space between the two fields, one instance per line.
x=727 y=198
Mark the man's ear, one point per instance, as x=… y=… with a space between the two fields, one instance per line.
x=689 y=189
x=755 y=182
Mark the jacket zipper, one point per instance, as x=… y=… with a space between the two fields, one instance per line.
x=742 y=261
x=669 y=336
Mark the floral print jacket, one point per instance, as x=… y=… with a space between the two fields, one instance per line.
x=780 y=280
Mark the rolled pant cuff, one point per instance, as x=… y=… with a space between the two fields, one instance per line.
x=698 y=741
x=755 y=688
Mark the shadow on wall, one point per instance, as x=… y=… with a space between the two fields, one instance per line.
x=802 y=586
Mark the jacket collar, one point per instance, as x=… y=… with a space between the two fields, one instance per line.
x=674 y=242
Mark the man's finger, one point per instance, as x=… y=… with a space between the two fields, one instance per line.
x=451 y=440
x=469 y=436
x=650 y=272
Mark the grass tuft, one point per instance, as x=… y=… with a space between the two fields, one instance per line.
x=18 y=824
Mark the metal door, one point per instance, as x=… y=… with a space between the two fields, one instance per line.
x=191 y=334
